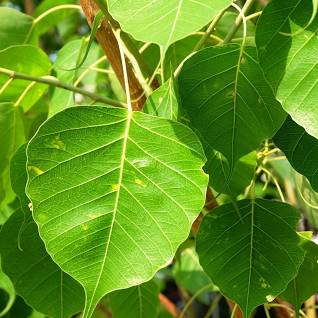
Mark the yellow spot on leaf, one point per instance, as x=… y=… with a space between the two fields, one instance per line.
x=36 y=170
x=115 y=187
x=140 y=182
x=84 y=227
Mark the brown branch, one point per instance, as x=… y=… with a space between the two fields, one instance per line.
x=168 y=305
x=108 y=42
x=28 y=7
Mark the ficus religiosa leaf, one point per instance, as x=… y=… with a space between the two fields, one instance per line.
x=250 y=250
x=222 y=180
x=287 y=43
x=300 y=148
x=163 y=102
x=130 y=184
x=36 y=278
x=228 y=100
x=140 y=301
x=27 y=59
x=164 y=22
x=305 y=283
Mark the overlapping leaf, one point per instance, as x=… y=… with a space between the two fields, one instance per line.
x=11 y=136
x=164 y=21
x=222 y=180
x=301 y=150
x=7 y=287
x=114 y=190
x=15 y=27
x=35 y=276
x=288 y=45
x=140 y=301
x=250 y=251
x=29 y=60
x=229 y=101
x=163 y=102
x=305 y=283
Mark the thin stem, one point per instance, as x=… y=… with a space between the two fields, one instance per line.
x=60 y=7
x=123 y=62
x=276 y=183
x=52 y=81
x=209 y=30
x=267 y=311
x=238 y=21
x=6 y=84
x=192 y=299
x=253 y=15
x=234 y=311
x=213 y=306
x=29 y=87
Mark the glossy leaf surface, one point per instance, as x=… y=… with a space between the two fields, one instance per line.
x=250 y=252
x=131 y=186
x=229 y=101
x=287 y=48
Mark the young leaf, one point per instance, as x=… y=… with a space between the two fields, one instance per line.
x=250 y=251
x=15 y=27
x=25 y=59
x=305 y=283
x=289 y=61
x=300 y=148
x=131 y=186
x=220 y=177
x=163 y=102
x=35 y=276
x=140 y=301
x=164 y=22
x=229 y=101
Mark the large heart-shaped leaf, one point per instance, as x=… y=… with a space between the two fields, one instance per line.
x=35 y=276
x=164 y=21
x=250 y=251
x=300 y=148
x=27 y=59
x=229 y=101
x=290 y=62
x=130 y=185
x=140 y=301
x=305 y=283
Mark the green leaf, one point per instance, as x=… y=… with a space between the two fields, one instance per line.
x=118 y=175
x=11 y=136
x=7 y=287
x=300 y=148
x=229 y=101
x=15 y=27
x=161 y=21
x=189 y=273
x=289 y=61
x=163 y=102
x=54 y=18
x=35 y=276
x=305 y=283
x=140 y=301
x=220 y=177
x=64 y=66
x=26 y=59
x=19 y=177
x=308 y=200
x=251 y=257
